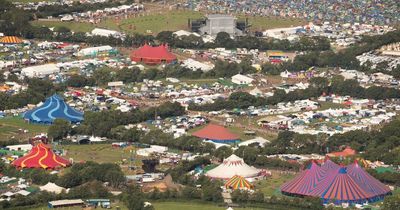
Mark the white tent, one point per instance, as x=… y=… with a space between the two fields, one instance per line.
x=40 y=71
x=233 y=165
x=260 y=140
x=241 y=79
x=51 y=187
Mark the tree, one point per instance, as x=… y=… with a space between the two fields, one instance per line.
x=223 y=39
x=59 y=129
x=223 y=152
x=102 y=76
x=133 y=199
x=391 y=202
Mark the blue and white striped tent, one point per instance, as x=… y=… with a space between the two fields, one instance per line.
x=53 y=108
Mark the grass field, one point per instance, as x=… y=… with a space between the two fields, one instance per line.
x=271 y=185
x=167 y=21
x=13 y=126
x=155 y=23
x=74 y=26
x=101 y=153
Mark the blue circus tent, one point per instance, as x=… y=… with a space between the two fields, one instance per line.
x=53 y=108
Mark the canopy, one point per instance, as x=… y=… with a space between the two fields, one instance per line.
x=372 y=184
x=51 y=187
x=217 y=134
x=345 y=153
x=305 y=181
x=342 y=188
x=329 y=165
x=238 y=182
x=153 y=55
x=41 y=156
x=10 y=40
x=341 y=185
x=53 y=108
x=231 y=166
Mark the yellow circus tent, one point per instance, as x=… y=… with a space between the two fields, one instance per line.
x=10 y=40
x=238 y=182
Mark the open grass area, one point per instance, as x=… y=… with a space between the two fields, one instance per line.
x=74 y=26
x=153 y=23
x=101 y=153
x=192 y=206
x=271 y=185
x=14 y=126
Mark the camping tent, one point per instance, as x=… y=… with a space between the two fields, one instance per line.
x=216 y=133
x=153 y=55
x=238 y=182
x=41 y=156
x=306 y=181
x=231 y=166
x=53 y=108
x=10 y=40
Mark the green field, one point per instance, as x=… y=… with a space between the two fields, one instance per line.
x=154 y=23
x=167 y=21
x=101 y=153
x=74 y=26
x=12 y=126
x=270 y=186
x=192 y=206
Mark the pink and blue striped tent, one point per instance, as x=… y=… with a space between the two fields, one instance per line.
x=329 y=165
x=373 y=185
x=305 y=181
x=340 y=187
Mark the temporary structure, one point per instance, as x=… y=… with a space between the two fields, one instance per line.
x=342 y=188
x=345 y=153
x=305 y=181
x=51 y=187
x=10 y=40
x=238 y=182
x=53 y=108
x=153 y=55
x=231 y=166
x=372 y=184
x=329 y=165
x=41 y=156
x=216 y=133
x=337 y=184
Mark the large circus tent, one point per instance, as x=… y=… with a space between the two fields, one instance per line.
x=53 y=108
x=231 y=166
x=217 y=134
x=238 y=182
x=153 y=55
x=336 y=184
x=41 y=156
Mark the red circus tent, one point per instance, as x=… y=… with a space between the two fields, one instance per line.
x=41 y=156
x=216 y=133
x=345 y=153
x=329 y=165
x=153 y=55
